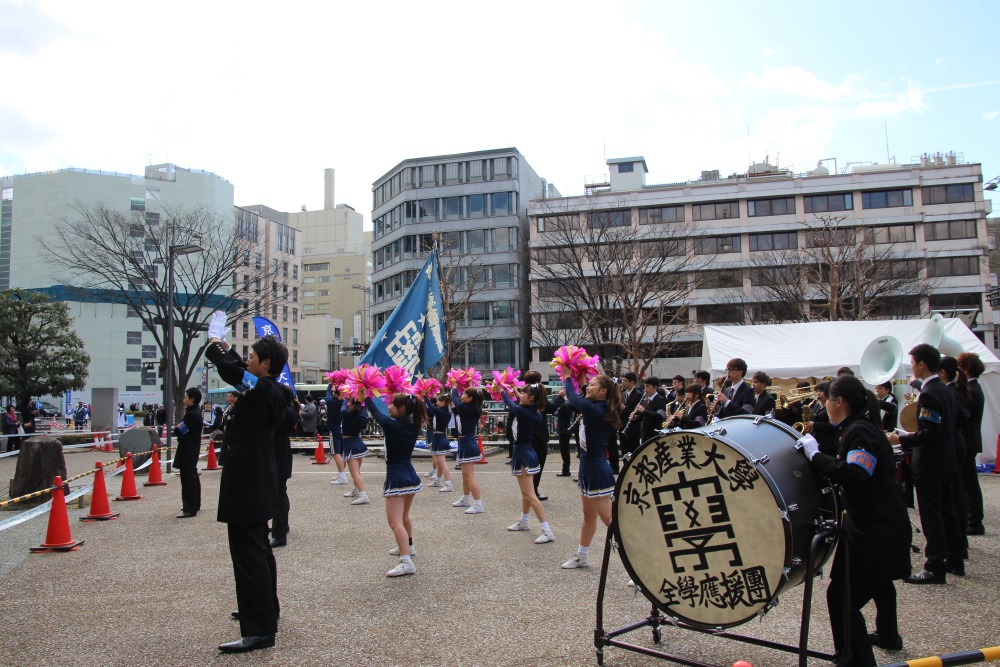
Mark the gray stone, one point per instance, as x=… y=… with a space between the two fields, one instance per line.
x=38 y=463
x=138 y=440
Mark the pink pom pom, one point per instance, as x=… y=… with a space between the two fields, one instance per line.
x=337 y=377
x=427 y=387
x=397 y=380
x=364 y=382
x=573 y=362
x=463 y=378
x=508 y=381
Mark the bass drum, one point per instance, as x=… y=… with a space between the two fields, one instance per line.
x=714 y=523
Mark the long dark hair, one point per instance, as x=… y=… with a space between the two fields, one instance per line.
x=477 y=398
x=955 y=374
x=860 y=401
x=613 y=415
x=414 y=410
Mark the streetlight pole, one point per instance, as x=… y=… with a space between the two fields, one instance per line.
x=365 y=325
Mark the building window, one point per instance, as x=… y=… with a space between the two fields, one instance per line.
x=656 y=248
x=308 y=308
x=719 y=279
x=555 y=223
x=295 y=294
x=295 y=336
x=295 y=357
x=149 y=352
x=322 y=266
x=501 y=203
x=828 y=203
x=324 y=292
x=295 y=271
x=948 y=194
x=246 y=329
x=653 y=216
x=475 y=239
x=953 y=301
x=428 y=209
x=257 y=261
x=284 y=333
x=475 y=206
x=152 y=218
x=138 y=204
x=607 y=219
x=504 y=311
x=452 y=207
x=713 y=245
x=274 y=311
x=720 y=314
x=130 y=312
x=133 y=338
x=776 y=241
x=504 y=352
x=245 y=355
x=942 y=267
x=324 y=306
x=893 y=234
x=504 y=275
x=479 y=353
x=761 y=207
x=323 y=279
x=953 y=229
x=626 y=168
x=887 y=198
x=295 y=315
x=133 y=365
x=284 y=269
x=716 y=211
x=504 y=238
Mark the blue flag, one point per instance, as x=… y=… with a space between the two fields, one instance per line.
x=266 y=327
x=414 y=336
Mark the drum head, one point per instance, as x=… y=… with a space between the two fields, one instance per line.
x=699 y=530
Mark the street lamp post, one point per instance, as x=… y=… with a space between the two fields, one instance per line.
x=365 y=326
x=168 y=376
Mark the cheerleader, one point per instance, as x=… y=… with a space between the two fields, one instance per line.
x=439 y=414
x=468 y=408
x=528 y=417
x=334 y=404
x=401 y=426
x=601 y=416
x=354 y=418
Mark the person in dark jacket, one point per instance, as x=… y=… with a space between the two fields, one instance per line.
x=628 y=434
x=540 y=440
x=188 y=434
x=10 y=424
x=876 y=543
x=283 y=461
x=890 y=408
x=973 y=367
x=565 y=418
x=695 y=412
x=651 y=411
x=249 y=485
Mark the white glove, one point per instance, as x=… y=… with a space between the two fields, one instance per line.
x=217 y=325
x=808 y=445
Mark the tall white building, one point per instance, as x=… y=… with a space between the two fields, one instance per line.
x=929 y=215
x=477 y=204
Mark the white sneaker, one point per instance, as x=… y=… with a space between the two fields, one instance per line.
x=432 y=473
x=338 y=480
x=446 y=488
x=545 y=536
x=461 y=502
x=353 y=493
x=578 y=560
x=362 y=499
x=404 y=567
x=521 y=524
x=475 y=509
x=435 y=482
x=395 y=551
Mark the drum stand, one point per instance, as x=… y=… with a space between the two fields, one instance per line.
x=826 y=532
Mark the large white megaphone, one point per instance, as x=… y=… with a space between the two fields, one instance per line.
x=935 y=336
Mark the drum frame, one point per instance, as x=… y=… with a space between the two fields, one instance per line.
x=827 y=533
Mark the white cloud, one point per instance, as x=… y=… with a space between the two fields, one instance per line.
x=911 y=100
x=767 y=51
x=991 y=115
x=798 y=82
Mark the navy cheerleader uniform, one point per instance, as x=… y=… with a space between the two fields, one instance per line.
x=595 y=479
x=400 y=436
x=352 y=424
x=468 y=420
x=526 y=420
x=333 y=419
x=438 y=427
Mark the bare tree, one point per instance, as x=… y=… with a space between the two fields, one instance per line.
x=125 y=254
x=612 y=282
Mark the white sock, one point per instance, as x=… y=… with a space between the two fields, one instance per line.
x=545 y=525
x=467 y=497
x=406 y=559
x=343 y=474
x=477 y=503
x=525 y=517
x=582 y=550
x=447 y=484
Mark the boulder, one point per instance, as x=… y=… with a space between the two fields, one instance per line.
x=138 y=440
x=38 y=463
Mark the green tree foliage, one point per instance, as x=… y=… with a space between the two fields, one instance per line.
x=42 y=355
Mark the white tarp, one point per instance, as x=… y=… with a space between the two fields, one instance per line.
x=818 y=349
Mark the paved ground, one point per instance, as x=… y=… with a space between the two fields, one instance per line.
x=149 y=589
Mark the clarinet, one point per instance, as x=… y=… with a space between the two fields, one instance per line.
x=715 y=403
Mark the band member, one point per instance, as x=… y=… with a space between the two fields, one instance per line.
x=703 y=379
x=651 y=411
x=354 y=419
x=876 y=525
x=952 y=375
x=248 y=488
x=540 y=441
x=763 y=400
x=676 y=392
x=934 y=467
x=890 y=408
x=693 y=412
x=731 y=402
x=468 y=408
x=439 y=415
x=188 y=434
x=528 y=416
x=565 y=418
x=820 y=426
x=973 y=367
x=600 y=412
x=629 y=435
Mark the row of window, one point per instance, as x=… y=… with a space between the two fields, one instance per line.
x=498 y=239
x=449 y=173
x=482 y=276
x=447 y=208
x=826 y=203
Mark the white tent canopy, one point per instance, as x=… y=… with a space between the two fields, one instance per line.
x=819 y=349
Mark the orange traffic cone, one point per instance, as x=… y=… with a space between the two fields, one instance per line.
x=100 y=509
x=155 y=474
x=98 y=443
x=482 y=452
x=128 y=481
x=109 y=444
x=320 y=454
x=213 y=463
x=996 y=466
x=58 y=537
x=54 y=426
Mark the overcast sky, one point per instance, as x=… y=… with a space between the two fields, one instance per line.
x=268 y=94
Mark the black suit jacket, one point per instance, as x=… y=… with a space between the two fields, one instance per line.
x=891 y=416
x=694 y=416
x=764 y=404
x=248 y=489
x=283 y=435
x=652 y=418
x=933 y=445
x=974 y=429
x=743 y=396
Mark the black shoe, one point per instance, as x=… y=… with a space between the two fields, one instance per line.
x=543 y=497
x=894 y=645
x=244 y=644
x=562 y=474
x=235 y=615
x=975 y=529
x=957 y=570
x=925 y=577
x=278 y=542
x=186 y=515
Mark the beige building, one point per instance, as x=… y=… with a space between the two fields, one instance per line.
x=336 y=279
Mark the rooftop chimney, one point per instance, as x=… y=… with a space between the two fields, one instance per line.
x=328 y=178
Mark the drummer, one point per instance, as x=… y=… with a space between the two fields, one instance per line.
x=876 y=527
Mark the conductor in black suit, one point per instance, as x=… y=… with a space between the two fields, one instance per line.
x=248 y=491
x=733 y=400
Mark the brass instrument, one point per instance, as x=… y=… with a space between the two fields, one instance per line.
x=679 y=413
x=807 y=416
